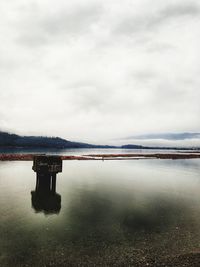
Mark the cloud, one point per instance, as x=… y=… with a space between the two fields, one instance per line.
x=65 y=22
x=155 y=18
x=185 y=9
x=101 y=70
x=167 y=136
x=76 y=21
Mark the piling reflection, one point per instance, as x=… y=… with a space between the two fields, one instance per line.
x=44 y=198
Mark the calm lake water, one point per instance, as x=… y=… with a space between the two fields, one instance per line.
x=83 y=151
x=112 y=213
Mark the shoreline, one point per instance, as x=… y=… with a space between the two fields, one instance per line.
x=134 y=156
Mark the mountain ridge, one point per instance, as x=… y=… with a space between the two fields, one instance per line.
x=11 y=140
x=14 y=140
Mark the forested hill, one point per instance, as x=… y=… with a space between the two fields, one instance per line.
x=14 y=140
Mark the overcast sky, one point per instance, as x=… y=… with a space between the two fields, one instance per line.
x=99 y=70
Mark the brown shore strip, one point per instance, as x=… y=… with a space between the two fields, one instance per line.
x=29 y=157
x=145 y=155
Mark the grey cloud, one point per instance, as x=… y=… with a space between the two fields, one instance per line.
x=170 y=96
x=72 y=22
x=66 y=22
x=174 y=11
x=167 y=136
x=144 y=75
x=91 y=97
x=151 y=21
x=160 y=47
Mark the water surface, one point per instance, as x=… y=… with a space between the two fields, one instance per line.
x=113 y=213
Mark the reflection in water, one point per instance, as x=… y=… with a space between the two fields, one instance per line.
x=44 y=198
x=112 y=218
x=116 y=213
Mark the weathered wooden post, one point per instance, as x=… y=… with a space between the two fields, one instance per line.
x=45 y=198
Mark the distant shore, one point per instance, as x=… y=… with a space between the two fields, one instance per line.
x=134 y=156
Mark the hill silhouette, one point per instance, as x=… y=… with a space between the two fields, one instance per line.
x=14 y=140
